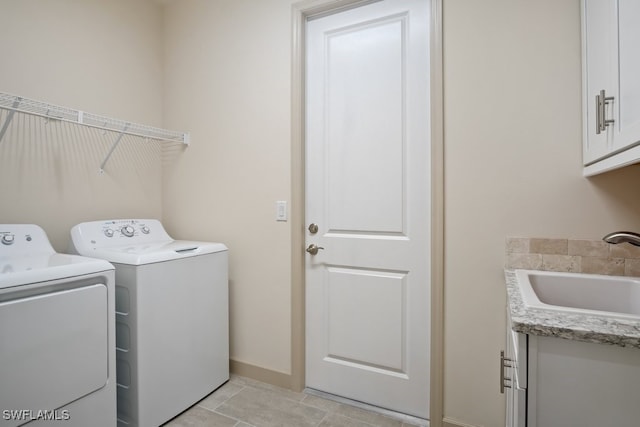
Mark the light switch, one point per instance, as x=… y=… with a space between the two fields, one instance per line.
x=281 y=210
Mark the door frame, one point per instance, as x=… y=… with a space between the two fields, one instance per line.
x=300 y=13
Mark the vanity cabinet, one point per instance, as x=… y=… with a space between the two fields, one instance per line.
x=610 y=84
x=555 y=382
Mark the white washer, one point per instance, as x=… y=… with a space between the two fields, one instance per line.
x=172 y=318
x=57 y=334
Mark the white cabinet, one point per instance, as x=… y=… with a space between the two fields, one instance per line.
x=513 y=377
x=611 y=84
x=573 y=383
x=557 y=382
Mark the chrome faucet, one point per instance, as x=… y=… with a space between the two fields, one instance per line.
x=621 y=237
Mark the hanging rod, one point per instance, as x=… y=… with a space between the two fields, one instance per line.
x=15 y=103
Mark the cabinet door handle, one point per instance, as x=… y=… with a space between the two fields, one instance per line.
x=605 y=101
x=599 y=113
x=601 y=102
x=505 y=362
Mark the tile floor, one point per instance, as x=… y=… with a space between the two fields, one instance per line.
x=243 y=402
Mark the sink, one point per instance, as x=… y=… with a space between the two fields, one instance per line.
x=613 y=296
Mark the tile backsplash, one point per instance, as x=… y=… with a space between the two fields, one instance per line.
x=573 y=255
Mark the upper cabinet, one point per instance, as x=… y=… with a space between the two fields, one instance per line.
x=610 y=84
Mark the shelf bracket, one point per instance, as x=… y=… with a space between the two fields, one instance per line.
x=113 y=147
x=5 y=126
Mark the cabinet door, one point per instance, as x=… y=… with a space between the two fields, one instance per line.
x=573 y=383
x=627 y=107
x=508 y=373
x=516 y=393
x=599 y=57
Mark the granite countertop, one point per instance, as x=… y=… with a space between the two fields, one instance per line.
x=579 y=327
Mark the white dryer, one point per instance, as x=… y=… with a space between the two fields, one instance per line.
x=172 y=318
x=57 y=339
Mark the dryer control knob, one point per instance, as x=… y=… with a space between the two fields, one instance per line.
x=8 y=239
x=145 y=229
x=108 y=232
x=127 y=230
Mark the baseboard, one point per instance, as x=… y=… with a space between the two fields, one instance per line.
x=448 y=422
x=258 y=373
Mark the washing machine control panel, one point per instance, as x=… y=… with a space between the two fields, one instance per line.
x=89 y=236
x=16 y=239
x=126 y=228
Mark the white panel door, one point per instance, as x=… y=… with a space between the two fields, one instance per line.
x=368 y=192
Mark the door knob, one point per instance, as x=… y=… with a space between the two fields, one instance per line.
x=313 y=249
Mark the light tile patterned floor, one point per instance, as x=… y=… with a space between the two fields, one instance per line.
x=243 y=402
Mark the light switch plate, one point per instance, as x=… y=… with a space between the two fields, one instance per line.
x=281 y=210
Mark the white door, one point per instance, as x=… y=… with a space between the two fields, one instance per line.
x=368 y=191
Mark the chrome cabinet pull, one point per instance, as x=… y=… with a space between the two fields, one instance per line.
x=505 y=362
x=599 y=111
x=601 y=104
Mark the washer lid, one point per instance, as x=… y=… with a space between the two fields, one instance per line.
x=36 y=268
x=153 y=252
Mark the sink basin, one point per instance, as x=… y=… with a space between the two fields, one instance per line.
x=613 y=296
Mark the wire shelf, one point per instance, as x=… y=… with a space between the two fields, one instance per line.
x=15 y=103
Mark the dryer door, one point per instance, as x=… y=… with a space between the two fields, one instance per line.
x=53 y=350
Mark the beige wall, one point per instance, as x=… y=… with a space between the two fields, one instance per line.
x=228 y=82
x=221 y=69
x=104 y=57
x=512 y=148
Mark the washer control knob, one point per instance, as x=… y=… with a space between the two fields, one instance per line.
x=108 y=232
x=145 y=229
x=8 y=239
x=127 y=230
